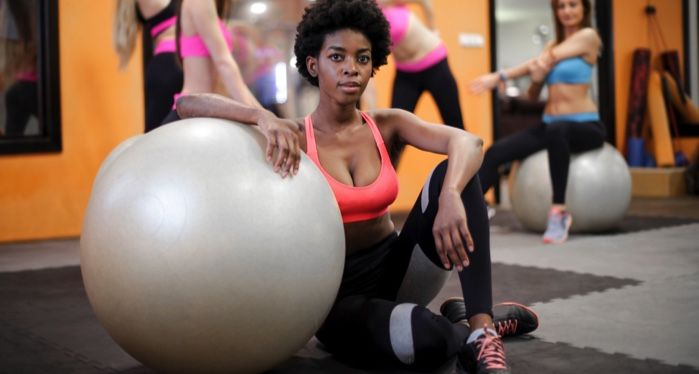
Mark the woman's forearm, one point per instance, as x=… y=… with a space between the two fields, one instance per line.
x=234 y=83
x=465 y=155
x=217 y=106
x=517 y=70
x=534 y=90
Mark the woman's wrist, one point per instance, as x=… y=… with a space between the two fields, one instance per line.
x=448 y=193
x=502 y=75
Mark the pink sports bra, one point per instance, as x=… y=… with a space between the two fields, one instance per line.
x=194 y=46
x=364 y=202
x=397 y=17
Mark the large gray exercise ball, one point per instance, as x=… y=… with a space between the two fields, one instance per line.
x=597 y=196
x=197 y=257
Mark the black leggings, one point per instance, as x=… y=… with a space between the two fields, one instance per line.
x=163 y=79
x=440 y=83
x=559 y=138
x=172 y=116
x=21 y=103
x=367 y=323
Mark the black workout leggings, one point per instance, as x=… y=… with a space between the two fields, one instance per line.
x=172 y=116
x=367 y=324
x=559 y=138
x=21 y=102
x=440 y=83
x=163 y=79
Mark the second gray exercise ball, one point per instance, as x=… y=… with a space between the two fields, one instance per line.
x=597 y=196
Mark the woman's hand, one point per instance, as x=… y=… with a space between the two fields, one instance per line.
x=450 y=230
x=484 y=83
x=283 y=147
x=538 y=69
x=546 y=59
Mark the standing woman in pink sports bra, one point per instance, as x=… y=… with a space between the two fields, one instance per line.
x=163 y=74
x=204 y=44
x=339 y=45
x=421 y=64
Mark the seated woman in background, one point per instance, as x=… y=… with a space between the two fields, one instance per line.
x=571 y=122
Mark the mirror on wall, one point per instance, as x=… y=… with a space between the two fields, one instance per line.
x=691 y=47
x=29 y=94
x=520 y=29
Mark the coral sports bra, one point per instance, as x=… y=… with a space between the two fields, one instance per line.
x=194 y=46
x=364 y=202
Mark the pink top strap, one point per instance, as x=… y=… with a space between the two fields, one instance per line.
x=165 y=46
x=157 y=29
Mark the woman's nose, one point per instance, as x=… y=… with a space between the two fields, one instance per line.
x=350 y=67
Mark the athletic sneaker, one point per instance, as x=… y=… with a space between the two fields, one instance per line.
x=513 y=319
x=491 y=212
x=558 y=226
x=485 y=355
x=509 y=318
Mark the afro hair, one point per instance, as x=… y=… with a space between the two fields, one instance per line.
x=327 y=16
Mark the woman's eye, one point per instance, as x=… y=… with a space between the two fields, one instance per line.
x=364 y=59
x=336 y=57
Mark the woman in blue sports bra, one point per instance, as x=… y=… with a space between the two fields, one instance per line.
x=570 y=123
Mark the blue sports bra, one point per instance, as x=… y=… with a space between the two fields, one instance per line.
x=574 y=70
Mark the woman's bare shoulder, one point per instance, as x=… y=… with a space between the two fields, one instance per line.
x=588 y=34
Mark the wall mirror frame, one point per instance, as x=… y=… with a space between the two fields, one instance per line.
x=49 y=101
x=690 y=34
x=603 y=19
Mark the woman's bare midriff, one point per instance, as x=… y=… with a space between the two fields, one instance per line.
x=417 y=42
x=199 y=75
x=168 y=34
x=569 y=98
x=364 y=234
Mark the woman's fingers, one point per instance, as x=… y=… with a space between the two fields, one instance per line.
x=452 y=249
x=284 y=152
x=458 y=250
x=439 y=245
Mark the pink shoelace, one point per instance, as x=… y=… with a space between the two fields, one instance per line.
x=491 y=351
x=507 y=327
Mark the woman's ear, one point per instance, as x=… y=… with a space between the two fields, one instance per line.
x=312 y=66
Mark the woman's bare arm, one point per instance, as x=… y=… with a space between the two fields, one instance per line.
x=283 y=144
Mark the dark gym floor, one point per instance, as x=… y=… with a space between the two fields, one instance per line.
x=620 y=302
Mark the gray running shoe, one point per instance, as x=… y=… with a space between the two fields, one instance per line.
x=557 y=228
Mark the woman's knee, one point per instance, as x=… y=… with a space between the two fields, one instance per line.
x=434 y=340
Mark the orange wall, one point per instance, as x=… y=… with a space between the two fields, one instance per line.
x=45 y=195
x=451 y=17
x=631 y=29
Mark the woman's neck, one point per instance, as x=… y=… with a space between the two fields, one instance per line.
x=335 y=118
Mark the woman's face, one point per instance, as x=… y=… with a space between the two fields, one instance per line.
x=570 y=12
x=343 y=66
